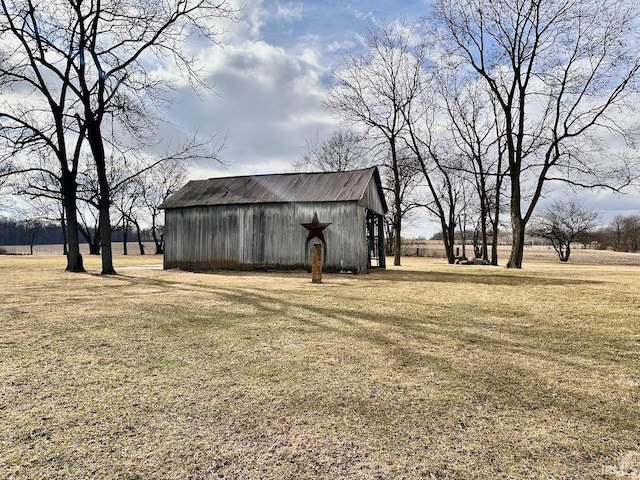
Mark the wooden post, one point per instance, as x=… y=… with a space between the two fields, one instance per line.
x=316 y=264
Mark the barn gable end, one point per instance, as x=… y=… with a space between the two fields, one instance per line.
x=255 y=221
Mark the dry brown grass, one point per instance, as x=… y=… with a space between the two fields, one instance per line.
x=423 y=371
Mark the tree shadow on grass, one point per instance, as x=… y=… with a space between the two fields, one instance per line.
x=502 y=375
x=487 y=278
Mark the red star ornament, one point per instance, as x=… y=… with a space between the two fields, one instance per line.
x=315 y=228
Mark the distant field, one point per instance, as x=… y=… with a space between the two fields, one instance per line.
x=423 y=371
x=579 y=255
x=426 y=248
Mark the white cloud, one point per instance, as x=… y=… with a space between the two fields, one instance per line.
x=288 y=11
x=255 y=15
x=249 y=22
x=312 y=57
x=268 y=101
x=341 y=46
x=361 y=14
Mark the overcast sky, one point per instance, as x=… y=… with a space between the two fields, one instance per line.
x=271 y=76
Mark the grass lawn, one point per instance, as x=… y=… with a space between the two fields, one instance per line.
x=423 y=371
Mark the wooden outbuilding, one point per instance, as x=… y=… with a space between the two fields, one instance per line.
x=272 y=222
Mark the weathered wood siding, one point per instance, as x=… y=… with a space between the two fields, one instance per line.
x=265 y=235
x=371 y=198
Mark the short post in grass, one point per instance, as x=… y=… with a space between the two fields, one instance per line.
x=316 y=263
x=315 y=229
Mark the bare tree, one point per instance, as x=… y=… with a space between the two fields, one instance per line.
x=441 y=166
x=630 y=233
x=561 y=72
x=616 y=227
x=446 y=189
x=127 y=202
x=50 y=210
x=343 y=150
x=41 y=124
x=32 y=226
x=563 y=222
x=475 y=130
x=404 y=190
x=622 y=234
x=372 y=89
x=95 y=54
x=156 y=185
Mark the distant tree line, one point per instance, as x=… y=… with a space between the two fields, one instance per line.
x=579 y=226
x=21 y=232
x=26 y=232
x=135 y=215
x=621 y=235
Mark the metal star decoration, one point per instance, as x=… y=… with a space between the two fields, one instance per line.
x=315 y=228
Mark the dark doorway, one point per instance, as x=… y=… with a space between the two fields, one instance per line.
x=375 y=241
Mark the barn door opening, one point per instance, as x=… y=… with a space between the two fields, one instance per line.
x=375 y=241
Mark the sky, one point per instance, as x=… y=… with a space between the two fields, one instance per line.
x=270 y=76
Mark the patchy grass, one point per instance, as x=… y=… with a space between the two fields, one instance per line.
x=423 y=371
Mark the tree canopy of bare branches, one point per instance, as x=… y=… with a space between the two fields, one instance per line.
x=372 y=89
x=562 y=223
x=476 y=133
x=343 y=150
x=72 y=69
x=563 y=74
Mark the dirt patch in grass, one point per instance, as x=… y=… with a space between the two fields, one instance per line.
x=422 y=371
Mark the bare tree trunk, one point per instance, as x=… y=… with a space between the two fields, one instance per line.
x=63 y=225
x=94 y=245
x=517 y=222
x=483 y=229
x=448 y=236
x=140 y=242
x=397 y=246
x=463 y=235
x=494 y=244
x=94 y=137
x=517 y=246
x=397 y=224
x=105 y=240
x=495 y=226
x=157 y=240
x=517 y=242
x=125 y=234
x=74 y=258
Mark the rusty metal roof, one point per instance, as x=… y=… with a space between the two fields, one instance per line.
x=277 y=188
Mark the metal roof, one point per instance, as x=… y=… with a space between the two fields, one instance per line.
x=276 y=188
